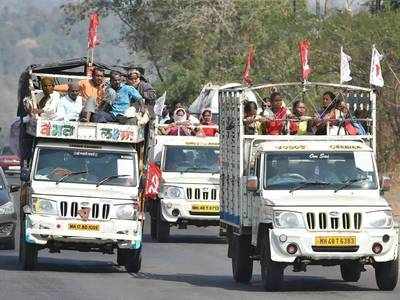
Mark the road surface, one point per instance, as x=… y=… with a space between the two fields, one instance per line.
x=192 y=266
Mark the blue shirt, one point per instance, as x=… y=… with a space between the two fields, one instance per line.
x=125 y=96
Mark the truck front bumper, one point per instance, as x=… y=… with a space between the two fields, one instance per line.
x=40 y=229
x=305 y=242
x=181 y=209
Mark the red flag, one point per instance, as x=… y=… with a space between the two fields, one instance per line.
x=249 y=62
x=304 y=47
x=153 y=178
x=94 y=22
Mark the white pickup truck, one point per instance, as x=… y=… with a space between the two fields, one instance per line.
x=292 y=200
x=189 y=191
x=81 y=191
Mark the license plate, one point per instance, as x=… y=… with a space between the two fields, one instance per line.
x=329 y=241
x=86 y=227
x=203 y=207
x=14 y=167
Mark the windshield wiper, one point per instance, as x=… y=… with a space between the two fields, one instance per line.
x=308 y=183
x=69 y=175
x=349 y=182
x=108 y=178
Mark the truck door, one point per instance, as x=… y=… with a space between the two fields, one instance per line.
x=256 y=198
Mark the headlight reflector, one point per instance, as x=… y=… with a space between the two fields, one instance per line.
x=44 y=206
x=379 y=219
x=125 y=211
x=173 y=192
x=7 y=209
x=288 y=219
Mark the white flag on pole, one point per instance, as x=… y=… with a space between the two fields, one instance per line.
x=344 y=67
x=375 y=77
x=159 y=105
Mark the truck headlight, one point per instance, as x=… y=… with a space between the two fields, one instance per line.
x=44 y=206
x=378 y=219
x=125 y=211
x=7 y=209
x=173 y=192
x=288 y=219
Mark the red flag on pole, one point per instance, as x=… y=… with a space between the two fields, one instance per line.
x=304 y=47
x=249 y=62
x=94 y=22
x=153 y=179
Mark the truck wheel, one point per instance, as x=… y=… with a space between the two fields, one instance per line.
x=29 y=255
x=242 y=263
x=153 y=228
x=351 y=271
x=386 y=274
x=121 y=256
x=271 y=272
x=133 y=261
x=28 y=252
x=162 y=227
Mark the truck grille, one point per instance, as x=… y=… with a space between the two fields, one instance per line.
x=341 y=221
x=201 y=194
x=97 y=211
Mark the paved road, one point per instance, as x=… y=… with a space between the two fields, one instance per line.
x=192 y=266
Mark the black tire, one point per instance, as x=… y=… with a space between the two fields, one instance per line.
x=271 y=272
x=29 y=255
x=351 y=271
x=242 y=263
x=162 y=227
x=387 y=274
x=122 y=256
x=28 y=252
x=133 y=261
x=153 y=228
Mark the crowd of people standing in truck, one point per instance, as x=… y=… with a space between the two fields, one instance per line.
x=95 y=100
x=274 y=118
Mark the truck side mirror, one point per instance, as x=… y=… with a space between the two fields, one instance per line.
x=385 y=183
x=252 y=183
x=14 y=188
x=24 y=175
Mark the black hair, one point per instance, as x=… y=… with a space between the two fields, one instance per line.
x=294 y=106
x=274 y=95
x=330 y=94
x=249 y=105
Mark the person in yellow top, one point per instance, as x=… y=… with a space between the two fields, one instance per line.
x=92 y=91
x=299 y=124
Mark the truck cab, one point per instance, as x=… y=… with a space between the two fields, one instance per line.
x=82 y=195
x=189 y=185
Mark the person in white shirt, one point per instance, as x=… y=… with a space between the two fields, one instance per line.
x=46 y=101
x=70 y=106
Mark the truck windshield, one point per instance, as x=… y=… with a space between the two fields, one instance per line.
x=319 y=171
x=85 y=166
x=191 y=159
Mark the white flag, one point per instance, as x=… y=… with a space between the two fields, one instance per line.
x=344 y=66
x=375 y=77
x=159 y=105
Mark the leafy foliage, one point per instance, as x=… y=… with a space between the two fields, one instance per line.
x=192 y=42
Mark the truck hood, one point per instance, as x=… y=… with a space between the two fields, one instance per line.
x=326 y=198
x=88 y=191
x=190 y=178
